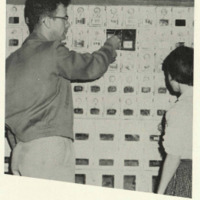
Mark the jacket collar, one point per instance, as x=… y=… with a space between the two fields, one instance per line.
x=34 y=36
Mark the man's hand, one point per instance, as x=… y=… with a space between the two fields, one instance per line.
x=114 y=41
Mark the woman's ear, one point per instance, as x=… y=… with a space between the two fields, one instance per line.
x=27 y=20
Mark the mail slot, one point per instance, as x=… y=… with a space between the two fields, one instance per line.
x=162 y=90
x=161 y=112
x=154 y=163
x=129 y=137
x=95 y=88
x=94 y=111
x=82 y=161
x=131 y=163
x=145 y=112
x=154 y=183
x=13 y=20
x=112 y=89
x=127 y=37
x=81 y=136
x=146 y=89
x=78 y=88
x=108 y=181
x=106 y=137
x=128 y=112
x=128 y=89
x=13 y=42
x=111 y=111
x=154 y=138
x=78 y=111
x=180 y=22
x=106 y=162
x=80 y=178
x=129 y=182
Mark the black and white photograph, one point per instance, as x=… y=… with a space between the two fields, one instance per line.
x=100 y=95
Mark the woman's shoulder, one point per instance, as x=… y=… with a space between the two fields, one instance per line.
x=180 y=110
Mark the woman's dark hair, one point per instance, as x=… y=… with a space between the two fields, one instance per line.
x=34 y=9
x=179 y=64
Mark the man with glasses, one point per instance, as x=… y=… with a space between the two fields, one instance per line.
x=39 y=107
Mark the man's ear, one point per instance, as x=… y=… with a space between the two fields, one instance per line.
x=46 y=21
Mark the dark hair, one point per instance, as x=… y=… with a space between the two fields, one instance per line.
x=179 y=64
x=34 y=9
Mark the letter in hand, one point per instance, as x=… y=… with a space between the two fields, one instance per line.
x=118 y=33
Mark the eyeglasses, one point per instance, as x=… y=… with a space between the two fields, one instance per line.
x=63 y=18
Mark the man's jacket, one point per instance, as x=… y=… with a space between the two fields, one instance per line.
x=38 y=87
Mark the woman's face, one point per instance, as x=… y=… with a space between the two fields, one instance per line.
x=174 y=84
x=171 y=85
